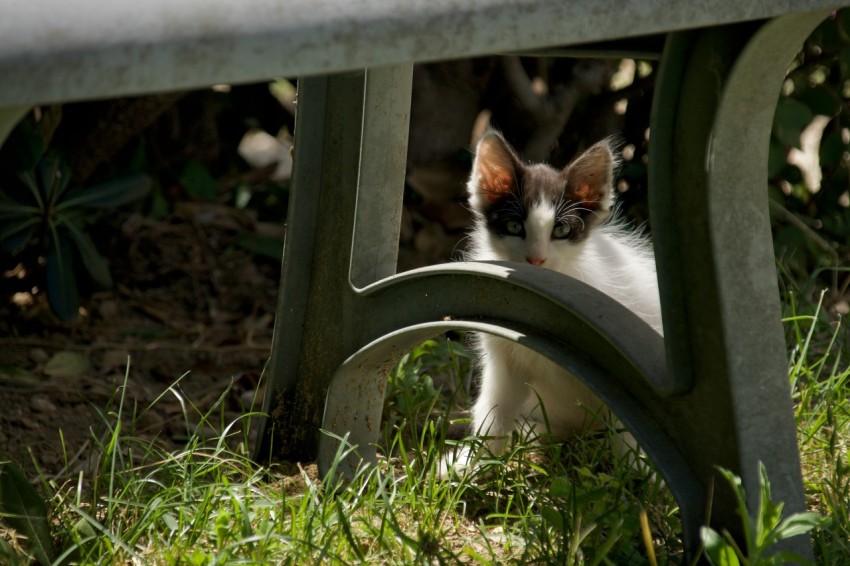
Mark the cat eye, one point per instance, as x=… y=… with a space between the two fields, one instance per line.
x=513 y=227
x=561 y=231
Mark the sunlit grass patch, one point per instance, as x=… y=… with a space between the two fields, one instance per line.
x=541 y=502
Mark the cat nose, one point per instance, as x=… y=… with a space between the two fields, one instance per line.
x=535 y=260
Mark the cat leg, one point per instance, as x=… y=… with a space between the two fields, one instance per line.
x=500 y=404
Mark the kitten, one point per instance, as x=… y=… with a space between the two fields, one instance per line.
x=552 y=219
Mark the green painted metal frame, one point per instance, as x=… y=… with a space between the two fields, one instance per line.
x=712 y=118
x=345 y=319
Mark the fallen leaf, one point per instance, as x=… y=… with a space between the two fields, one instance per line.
x=67 y=364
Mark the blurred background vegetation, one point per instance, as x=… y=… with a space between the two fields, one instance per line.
x=77 y=181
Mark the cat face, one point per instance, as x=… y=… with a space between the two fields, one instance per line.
x=534 y=213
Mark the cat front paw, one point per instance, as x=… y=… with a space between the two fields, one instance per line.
x=465 y=457
x=456 y=462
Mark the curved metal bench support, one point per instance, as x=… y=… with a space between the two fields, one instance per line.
x=352 y=407
x=578 y=324
x=615 y=353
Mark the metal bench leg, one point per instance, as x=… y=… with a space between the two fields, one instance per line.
x=312 y=306
x=351 y=130
x=711 y=124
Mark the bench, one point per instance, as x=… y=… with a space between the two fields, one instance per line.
x=714 y=393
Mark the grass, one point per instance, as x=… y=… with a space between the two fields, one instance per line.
x=551 y=503
x=820 y=381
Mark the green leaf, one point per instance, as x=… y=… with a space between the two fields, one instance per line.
x=10 y=228
x=23 y=149
x=790 y=119
x=799 y=524
x=821 y=100
x=720 y=552
x=93 y=261
x=832 y=149
x=29 y=180
x=54 y=175
x=61 y=286
x=198 y=180
x=66 y=364
x=554 y=518
x=83 y=528
x=587 y=497
x=769 y=513
x=633 y=170
x=262 y=245
x=741 y=496
x=844 y=63
x=24 y=510
x=561 y=487
x=14 y=236
x=110 y=194
x=158 y=205
x=13 y=209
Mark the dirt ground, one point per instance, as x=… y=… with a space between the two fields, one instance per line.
x=186 y=301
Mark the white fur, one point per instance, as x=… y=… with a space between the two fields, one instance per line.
x=611 y=259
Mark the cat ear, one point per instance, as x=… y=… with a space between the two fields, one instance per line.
x=494 y=172
x=590 y=178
